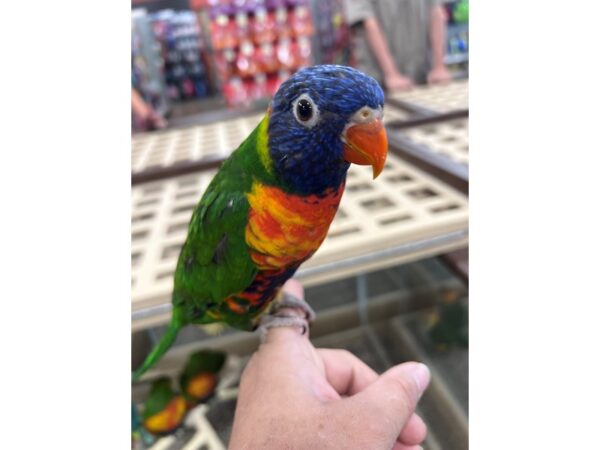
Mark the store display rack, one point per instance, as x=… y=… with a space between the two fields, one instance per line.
x=256 y=45
x=163 y=154
x=442 y=144
x=147 y=63
x=391 y=329
x=402 y=216
x=437 y=141
x=417 y=209
x=441 y=408
x=201 y=142
x=434 y=99
x=449 y=138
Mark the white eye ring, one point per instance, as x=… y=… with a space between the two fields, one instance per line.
x=313 y=119
x=366 y=114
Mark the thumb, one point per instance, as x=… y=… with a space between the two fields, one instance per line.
x=391 y=400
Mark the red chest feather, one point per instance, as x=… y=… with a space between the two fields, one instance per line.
x=285 y=229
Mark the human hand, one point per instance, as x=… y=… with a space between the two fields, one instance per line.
x=398 y=82
x=156 y=121
x=439 y=75
x=294 y=396
x=145 y=113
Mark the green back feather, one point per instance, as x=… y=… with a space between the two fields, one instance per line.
x=215 y=262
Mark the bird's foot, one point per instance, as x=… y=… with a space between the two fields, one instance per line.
x=292 y=300
x=289 y=310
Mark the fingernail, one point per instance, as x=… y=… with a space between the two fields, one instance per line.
x=421 y=375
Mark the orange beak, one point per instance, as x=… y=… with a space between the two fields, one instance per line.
x=366 y=145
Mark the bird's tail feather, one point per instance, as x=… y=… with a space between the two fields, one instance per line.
x=163 y=345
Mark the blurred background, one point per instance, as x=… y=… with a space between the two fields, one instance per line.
x=390 y=283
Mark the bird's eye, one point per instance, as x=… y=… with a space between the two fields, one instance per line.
x=306 y=111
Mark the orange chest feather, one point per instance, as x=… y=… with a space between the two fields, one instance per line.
x=285 y=229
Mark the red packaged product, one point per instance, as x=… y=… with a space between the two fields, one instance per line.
x=284 y=54
x=258 y=88
x=263 y=27
x=273 y=83
x=282 y=28
x=245 y=62
x=223 y=32
x=265 y=58
x=301 y=22
x=242 y=29
x=234 y=91
x=302 y=52
x=225 y=63
x=188 y=88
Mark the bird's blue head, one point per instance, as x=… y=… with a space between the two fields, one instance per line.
x=322 y=119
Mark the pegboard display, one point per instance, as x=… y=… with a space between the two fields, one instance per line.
x=449 y=139
x=213 y=140
x=404 y=208
x=438 y=98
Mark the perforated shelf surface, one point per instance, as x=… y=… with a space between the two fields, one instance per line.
x=449 y=139
x=164 y=148
x=208 y=141
x=439 y=98
x=393 y=113
x=402 y=216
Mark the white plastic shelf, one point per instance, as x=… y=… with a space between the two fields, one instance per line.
x=165 y=148
x=449 y=139
x=402 y=216
x=209 y=141
x=393 y=113
x=440 y=98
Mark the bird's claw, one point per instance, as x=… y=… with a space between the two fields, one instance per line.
x=291 y=301
x=278 y=318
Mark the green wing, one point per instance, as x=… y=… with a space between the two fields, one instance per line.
x=214 y=262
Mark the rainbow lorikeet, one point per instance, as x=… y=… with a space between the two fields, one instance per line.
x=199 y=378
x=269 y=207
x=164 y=409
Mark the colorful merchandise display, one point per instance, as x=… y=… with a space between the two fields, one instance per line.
x=243 y=49
x=257 y=44
x=147 y=63
x=182 y=50
x=457 y=33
